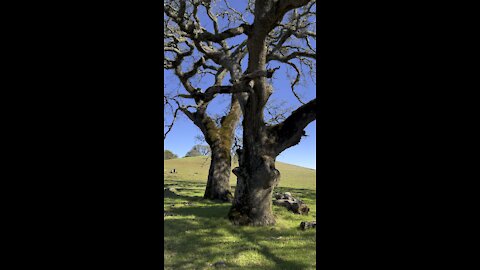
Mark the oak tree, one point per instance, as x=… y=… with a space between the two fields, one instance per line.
x=266 y=31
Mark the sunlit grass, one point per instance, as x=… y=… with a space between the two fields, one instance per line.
x=196 y=169
x=199 y=234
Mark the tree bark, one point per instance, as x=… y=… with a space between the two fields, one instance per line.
x=256 y=178
x=218 y=183
x=220 y=140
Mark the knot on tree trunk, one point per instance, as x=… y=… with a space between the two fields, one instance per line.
x=239 y=172
x=274 y=178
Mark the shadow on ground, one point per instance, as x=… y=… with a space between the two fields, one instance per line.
x=199 y=234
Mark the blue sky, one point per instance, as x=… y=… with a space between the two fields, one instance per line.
x=182 y=137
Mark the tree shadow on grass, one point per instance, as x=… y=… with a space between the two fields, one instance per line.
x=180 y=197
x=204 y=237
x=209 y=211
x=185 y=239
x=272 y=254
x=198 y=242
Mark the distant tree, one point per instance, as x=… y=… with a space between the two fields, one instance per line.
x=193 y=153
x=167 y=154
x=204 y=150
x=198 y=150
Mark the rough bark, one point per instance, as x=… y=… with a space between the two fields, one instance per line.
x=218 y=183
x=220 y=141
x=256 y=178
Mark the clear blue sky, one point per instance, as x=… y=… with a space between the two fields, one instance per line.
x=182 y=137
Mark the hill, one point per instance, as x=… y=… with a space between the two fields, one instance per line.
x=193 y=223
x=196 y=169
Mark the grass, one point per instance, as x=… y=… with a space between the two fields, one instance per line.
x=196 y=169
x=199 y=234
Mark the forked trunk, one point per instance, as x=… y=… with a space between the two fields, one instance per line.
x=220 y=141
x=218 y=184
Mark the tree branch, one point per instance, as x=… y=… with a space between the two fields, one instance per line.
x=212 y=91
x=291 y=56
x=289 y=132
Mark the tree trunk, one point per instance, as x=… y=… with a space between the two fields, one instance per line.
x=252 y=204
x=220 y=141
x=218 y=184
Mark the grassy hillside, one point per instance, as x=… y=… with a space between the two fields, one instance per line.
x=196 y=169
x=197 y=233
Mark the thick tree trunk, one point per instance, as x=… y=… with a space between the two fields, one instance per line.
x=218 y=184
x=220 y=141
x=252 y=204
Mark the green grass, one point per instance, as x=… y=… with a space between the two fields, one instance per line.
x=196 y=169
x=199 y=234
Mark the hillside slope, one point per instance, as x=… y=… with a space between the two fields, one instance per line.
x=196 y=169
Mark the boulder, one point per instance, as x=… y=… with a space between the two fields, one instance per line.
x=165 y=214
x=169 y=192
x=308 y=225
x=220 y=264
x=292 y=204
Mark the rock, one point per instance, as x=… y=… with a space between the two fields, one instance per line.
x=165 y=214
x=299 y=208
x=292 y=204
x=220 y=264
x=169 y=192
x=307 y=225
x=286 y=196
x=283 y=202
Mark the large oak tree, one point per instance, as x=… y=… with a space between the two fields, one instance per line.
x=280 y=31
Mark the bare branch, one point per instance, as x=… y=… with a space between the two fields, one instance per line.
x=297 y=79
x=291 y=56
x=290 y=131
x=201 y=34
x=212 y=91
x=277 y=111
x=169 y=127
